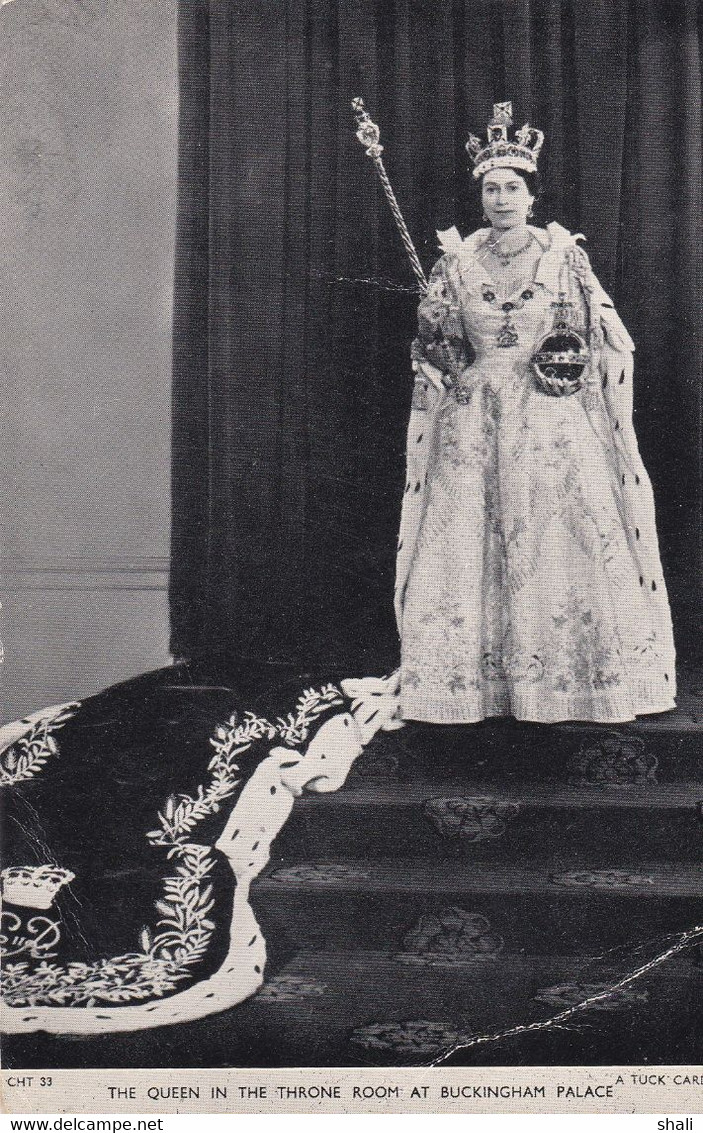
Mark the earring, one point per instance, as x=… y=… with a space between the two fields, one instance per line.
x=485 y=219
x=530 y=212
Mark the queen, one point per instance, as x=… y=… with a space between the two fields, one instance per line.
x=528 y=580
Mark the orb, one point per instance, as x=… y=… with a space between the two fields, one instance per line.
x=559 y=362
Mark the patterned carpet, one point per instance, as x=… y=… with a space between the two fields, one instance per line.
x=537 y=888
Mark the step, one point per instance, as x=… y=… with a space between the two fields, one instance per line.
x=665 y=748
x=353 y=1008
x=348 y=1008
x=543 y=908
x=442 y=819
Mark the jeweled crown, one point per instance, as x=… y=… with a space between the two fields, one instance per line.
x=519 y=151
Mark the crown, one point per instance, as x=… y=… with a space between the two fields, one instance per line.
x=34 y=886
x=520 y=152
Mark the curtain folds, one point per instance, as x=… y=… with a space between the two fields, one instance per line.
x=294 y=304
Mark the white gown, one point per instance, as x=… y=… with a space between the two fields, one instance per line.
x=528 y=579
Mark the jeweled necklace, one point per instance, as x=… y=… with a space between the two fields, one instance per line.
x=507 y=335
x=493 y=246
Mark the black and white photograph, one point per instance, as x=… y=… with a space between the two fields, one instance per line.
x=352 y=364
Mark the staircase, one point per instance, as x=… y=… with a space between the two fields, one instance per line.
x=466 y=881
x=472 y=880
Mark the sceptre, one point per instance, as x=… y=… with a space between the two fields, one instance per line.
x=369 y=135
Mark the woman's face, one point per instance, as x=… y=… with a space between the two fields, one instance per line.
x=505 y=197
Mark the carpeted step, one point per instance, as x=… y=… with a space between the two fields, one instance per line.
x=354 y=1008
x=665 y=747
x=363 y=1009
x=547 y=908
x=445 y=819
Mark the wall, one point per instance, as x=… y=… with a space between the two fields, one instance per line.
x=87 y=184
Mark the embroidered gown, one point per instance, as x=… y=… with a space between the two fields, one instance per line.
x=528 y=575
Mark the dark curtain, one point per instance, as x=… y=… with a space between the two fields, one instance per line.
x=295 y=304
